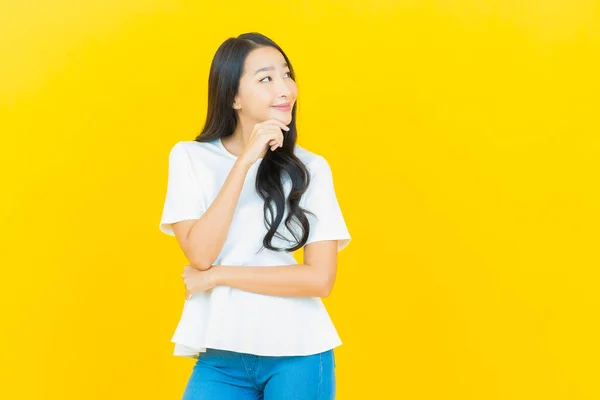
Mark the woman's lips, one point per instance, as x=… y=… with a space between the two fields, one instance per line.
x=287 y=107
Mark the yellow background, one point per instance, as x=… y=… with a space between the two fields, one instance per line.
x=463 y=138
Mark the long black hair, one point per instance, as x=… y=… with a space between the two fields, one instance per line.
x=223 y=83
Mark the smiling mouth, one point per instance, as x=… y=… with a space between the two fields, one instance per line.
x=283 y=107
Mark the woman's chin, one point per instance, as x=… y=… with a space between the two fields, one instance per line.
x=285 y=117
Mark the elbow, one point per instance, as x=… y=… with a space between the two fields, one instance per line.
x=325 y=288
x=200 y=264
x=199 y=259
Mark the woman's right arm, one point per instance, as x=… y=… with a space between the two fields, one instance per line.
x=202 y=240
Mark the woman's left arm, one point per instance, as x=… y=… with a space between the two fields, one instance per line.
x=314 y=278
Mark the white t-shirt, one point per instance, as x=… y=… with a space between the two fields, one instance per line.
x=231 y=319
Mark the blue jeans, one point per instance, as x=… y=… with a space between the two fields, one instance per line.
x=229 y=375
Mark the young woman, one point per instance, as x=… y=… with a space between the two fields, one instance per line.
x=240 y=199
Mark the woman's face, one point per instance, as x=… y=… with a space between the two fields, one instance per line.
x=265 y=83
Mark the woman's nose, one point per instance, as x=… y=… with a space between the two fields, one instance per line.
x=283 y=90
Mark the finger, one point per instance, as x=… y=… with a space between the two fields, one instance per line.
x=279 y=123
x=276 y=137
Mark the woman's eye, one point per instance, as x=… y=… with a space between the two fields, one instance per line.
x=270 y=77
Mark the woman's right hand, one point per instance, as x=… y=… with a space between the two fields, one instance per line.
x=265 y=134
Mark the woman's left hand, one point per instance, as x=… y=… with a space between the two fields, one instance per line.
x=196 y=280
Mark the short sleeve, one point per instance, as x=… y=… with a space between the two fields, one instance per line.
x=320 y=198
x=183 y=197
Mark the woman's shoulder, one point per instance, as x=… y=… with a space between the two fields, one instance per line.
x=196 y=146
x=199 y=152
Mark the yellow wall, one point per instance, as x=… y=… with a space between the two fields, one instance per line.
x=463 y=137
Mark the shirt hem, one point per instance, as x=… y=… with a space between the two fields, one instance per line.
x=195 y=354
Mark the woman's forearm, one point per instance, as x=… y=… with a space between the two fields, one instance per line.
x=207 y=236
x=295 y=280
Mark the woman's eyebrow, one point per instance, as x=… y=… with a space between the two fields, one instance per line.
x=270 y=68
